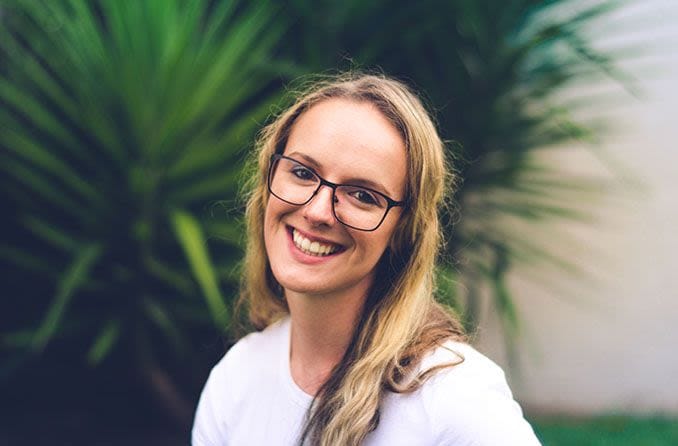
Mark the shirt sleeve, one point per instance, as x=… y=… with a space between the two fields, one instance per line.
x=471 y=405
x=209 y=427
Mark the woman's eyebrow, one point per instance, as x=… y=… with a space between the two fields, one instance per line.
x=307 y=159
x=366 y=183
x=353 y=181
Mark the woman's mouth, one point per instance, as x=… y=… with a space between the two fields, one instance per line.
x=313 y=247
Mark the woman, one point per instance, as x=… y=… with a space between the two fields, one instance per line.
x=343 y=234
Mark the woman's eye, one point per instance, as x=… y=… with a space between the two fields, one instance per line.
x=303 y=173
x=365 y=197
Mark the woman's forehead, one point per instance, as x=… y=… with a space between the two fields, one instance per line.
x=345 y=139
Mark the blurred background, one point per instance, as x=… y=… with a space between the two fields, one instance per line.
x=125 y=128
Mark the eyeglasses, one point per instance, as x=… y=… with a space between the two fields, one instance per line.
x=357 y=207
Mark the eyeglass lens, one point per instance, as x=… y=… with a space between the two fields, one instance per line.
x=354 y=206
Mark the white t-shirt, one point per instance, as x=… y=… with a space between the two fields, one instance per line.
x=251 y=399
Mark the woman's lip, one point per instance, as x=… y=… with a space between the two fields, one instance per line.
x=314 y=238
x=306 y=258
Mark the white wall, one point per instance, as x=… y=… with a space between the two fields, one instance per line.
x=610 y=343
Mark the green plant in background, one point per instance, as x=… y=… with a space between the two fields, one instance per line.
x=119 y=123
x=493 y=71
x=607 y=430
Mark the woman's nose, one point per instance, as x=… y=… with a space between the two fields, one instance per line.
x=319 y=210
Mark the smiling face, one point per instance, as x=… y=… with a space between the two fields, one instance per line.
x=345 y=142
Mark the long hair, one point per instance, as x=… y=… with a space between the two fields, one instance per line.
x=391 y=336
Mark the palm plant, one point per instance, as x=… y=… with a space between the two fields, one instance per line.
x=120 y=122
x=493 y=71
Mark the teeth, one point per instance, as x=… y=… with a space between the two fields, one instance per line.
x=313 y=248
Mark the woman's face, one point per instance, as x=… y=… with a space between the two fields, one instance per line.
x=344 y=142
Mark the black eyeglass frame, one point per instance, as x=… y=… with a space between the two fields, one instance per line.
x=323 y=182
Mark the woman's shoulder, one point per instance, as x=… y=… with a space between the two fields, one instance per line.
x=244 y=374
x=252 y=353
x=467 y=366
x=258 y=345
x=471 y=399
x=247 y=363
x=460 y=371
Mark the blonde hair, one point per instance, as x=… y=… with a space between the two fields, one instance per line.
x=391 y=336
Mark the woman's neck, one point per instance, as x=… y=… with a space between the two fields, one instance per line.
x=321 y=330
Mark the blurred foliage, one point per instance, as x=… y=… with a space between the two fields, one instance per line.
x=122 y=123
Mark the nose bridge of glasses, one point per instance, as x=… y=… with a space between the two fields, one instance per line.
x=329 y=184
x=320 y=206
x=332 y=191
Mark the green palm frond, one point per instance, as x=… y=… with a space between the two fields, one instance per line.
x=114 y=114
